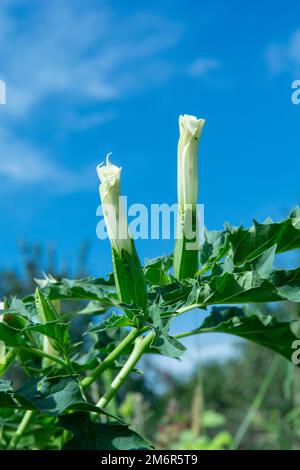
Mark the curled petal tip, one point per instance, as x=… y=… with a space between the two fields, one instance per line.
x=107 y=159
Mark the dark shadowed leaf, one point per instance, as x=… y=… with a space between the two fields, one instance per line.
x=53 y=395
x=94 y=436
x=7 y=395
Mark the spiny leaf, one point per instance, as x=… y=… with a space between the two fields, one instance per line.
x=163 y=342
x=248 y=244
x=262 y=329
x=157 y=270
x=114 y=321
x=255 y=281
x=214 y=247
x=79 y=289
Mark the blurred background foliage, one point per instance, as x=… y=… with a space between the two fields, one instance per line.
x=249 y=401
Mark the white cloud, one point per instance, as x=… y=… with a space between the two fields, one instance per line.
x=285 y=57
x=202 y=66
x=77 y=52
x=81 y=122
x=21 y=163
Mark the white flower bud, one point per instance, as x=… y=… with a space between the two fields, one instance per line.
x=190 y=131
x=128 y=272
x=186 y=254
x=113 y=208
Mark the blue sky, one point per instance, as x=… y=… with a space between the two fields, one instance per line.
x=87 y=77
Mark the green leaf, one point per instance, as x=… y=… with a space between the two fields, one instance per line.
x=45 y=308
x=88 y=361
x=114 y=321
x=243 y=245
x=17 y=306
x=262 y=329
x=214 y=247
x=163 y=342
x=79 y=289
x=157 y=270
x=88 y=435
x=7 y=395
x=250 y=243
x=250 y=287
x=11 y=336
x=254 y=282
x=14 y=320
x=92 y=308
x=55 y=330
x=52 y=396
x=263 y=264
x=174 y=296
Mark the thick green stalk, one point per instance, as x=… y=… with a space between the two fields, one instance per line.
x=107 y=377
x=129 y=277
x=140 y=347
x=186 y=252
x=108 y=361
x=19 y=432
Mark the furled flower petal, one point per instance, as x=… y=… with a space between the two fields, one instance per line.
x=113 y=209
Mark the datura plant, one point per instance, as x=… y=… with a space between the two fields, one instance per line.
x=64 y=401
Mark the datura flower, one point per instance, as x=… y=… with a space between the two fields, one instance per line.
x=128 y=272
x=186 y=247
x=113 y=209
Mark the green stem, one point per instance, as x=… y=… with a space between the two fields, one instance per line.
x=188 y=308
x=108 y=361
x=185 y=334
x=19 y=432
x=255 y=404
x=108 y=377
x=72 y=371
x=40 y=353
x=8 y=360
x=141 y=345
